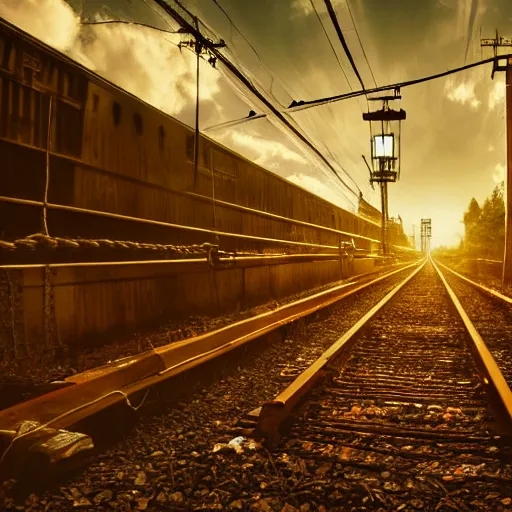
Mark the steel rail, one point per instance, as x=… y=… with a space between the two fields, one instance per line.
x=485 y=361
x=89 y=392
x=272 y=414
x=117 y=216
x=186 y=265
x=485 y=289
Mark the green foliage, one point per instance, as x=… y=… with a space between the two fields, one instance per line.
x=446 y=253
x=485 y=227
x=396 y=235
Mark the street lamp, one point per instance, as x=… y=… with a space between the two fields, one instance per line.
x=385 y=130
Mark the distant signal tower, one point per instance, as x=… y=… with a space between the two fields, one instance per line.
x=426 y=234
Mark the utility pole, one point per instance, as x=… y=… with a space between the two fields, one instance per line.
x=385 y=153
x=200 y=49
x=505 y=64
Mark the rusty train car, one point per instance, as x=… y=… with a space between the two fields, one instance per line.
x=103 y=176
x=95 y=162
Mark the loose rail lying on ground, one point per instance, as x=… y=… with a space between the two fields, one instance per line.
x=94 y=390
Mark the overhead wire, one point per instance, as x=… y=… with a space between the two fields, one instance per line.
x=109 y=22
x=342 y=70
x=303 y=105
x=245 y=81
x=330 y=43
x=332 y=99
x=232 y=24
x=124 y=22
x=347 y=2
x=334 y=19
x=360 y=42
x=230 y=123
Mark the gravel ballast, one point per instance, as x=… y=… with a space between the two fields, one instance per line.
x=176 y=458
x=24 y=379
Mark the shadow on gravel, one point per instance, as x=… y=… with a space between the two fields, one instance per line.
x=110 y=426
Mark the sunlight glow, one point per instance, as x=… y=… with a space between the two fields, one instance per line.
x=462 y=93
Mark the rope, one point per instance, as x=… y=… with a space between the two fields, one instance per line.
x=72 y=411
x=47 y=179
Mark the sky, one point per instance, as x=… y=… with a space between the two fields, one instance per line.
x=453 y=143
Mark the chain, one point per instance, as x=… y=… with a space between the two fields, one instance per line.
x=6 y=315
x=12 y=335
x=42 y=241
x=50 y=323
x=21 y=348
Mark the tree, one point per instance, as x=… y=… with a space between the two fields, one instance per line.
x=485 y=226
x=471 y=220
x=491 y=229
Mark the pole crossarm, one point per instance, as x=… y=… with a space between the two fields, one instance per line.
x=495 y=43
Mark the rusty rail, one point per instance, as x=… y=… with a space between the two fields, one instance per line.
x=485 y=289
x=493 y=378
x=272 y=414
x=99 y=388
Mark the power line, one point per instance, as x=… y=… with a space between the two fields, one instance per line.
x=217 y=3
x=334 y=20
x=333 y=99
x=230 y=123
x=107 y=22
x=242 y=78
x=330 y=43
x=360 y=42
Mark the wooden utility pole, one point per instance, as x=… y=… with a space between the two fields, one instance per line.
x=505 y=65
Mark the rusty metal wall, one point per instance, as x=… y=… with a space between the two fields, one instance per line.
x=83 y=159
x=70 y=139
x=44 y=307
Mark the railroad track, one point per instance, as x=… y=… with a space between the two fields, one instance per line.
x=409 y=411
x=31 y=426
x=491 y=313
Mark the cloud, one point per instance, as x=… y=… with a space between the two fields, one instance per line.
x=148 y=64
x=52 y=21
x=140 y=60
x=499 y=173
x=497 y=95
x=270 y=154
x=463 y=93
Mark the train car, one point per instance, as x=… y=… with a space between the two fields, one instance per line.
x=83 y=158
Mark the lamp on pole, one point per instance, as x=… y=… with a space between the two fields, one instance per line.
x=385 y=131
